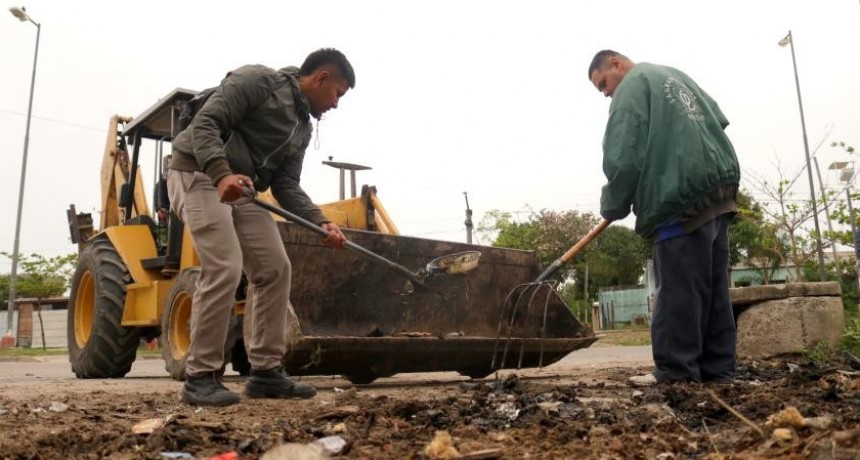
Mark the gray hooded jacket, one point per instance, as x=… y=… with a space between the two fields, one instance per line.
x=265 y=120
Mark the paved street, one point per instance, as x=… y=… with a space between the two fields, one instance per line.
x=52 y=375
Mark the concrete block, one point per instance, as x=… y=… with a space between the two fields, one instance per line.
x=754 y=294
x=790 y=325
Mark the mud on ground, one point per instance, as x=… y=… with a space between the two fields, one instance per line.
x=512 y=418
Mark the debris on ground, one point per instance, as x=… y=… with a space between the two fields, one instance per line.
x=772 y=410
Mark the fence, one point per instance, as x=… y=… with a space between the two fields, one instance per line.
x=624 y=307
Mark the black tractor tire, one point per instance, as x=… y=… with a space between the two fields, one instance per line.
x=176 y=323
x=99 y=346
x=176 y=328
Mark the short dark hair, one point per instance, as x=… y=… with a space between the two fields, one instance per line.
x=328 y=56
x=599 y=59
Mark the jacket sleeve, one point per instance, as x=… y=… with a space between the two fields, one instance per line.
x=623 y=154
x=290 y=195
x=240 y=92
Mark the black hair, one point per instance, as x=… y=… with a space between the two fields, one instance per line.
x=599 y=58
x=328 y=56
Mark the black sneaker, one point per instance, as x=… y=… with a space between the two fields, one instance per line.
x=275 y=383
x=207 y=390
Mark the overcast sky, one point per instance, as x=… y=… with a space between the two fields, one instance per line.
x=486 y=97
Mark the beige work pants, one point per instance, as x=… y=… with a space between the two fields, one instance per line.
x=229 y=239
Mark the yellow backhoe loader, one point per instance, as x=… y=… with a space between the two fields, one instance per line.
x=136 y=277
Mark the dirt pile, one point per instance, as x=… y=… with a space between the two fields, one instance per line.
x=776 y=409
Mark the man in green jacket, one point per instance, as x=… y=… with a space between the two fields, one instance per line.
x=666 y=156
x=251 y=132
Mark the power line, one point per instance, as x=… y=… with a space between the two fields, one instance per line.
x=51 y=120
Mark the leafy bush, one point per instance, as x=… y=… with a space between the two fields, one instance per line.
x=851 y=337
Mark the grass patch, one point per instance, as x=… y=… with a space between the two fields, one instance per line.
x=8 y=352
x=27 y=352
x=625 y=337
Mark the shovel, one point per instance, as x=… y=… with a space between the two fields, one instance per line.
x=574 y=250
x=460 y=262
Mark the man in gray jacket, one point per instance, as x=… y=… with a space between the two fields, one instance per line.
x=251 y=132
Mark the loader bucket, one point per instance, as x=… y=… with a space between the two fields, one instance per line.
x=362 y=321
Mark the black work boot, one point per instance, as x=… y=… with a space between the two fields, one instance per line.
x=207 y=390
x=275 y=383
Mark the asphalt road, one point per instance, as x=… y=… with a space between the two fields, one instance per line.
x=52 y=376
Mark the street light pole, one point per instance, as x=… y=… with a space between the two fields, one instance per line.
x=853 y=232
x=21 y=14
x=822 y=274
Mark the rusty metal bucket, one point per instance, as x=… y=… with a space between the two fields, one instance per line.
x=360 y=322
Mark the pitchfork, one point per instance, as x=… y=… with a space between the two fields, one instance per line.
x=531 y=290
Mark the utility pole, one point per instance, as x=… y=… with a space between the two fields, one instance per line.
x=469 y=225
x=853 y=233
x=21 y=14
x=822 y=273
x=826 y=211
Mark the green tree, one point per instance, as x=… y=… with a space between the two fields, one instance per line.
x=549 y=233
x=617 y=258
x=755 y=242
x=40 y=276
x=789 y=217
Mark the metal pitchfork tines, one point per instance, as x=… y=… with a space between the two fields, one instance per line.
x=524 y=294
x=538 y=285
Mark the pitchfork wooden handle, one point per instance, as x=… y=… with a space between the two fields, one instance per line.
x=574 y=250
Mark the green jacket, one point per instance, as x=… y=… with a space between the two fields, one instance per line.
x=264 y=118
x=664 y=152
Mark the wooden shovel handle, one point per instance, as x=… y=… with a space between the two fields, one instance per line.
x=574 y=250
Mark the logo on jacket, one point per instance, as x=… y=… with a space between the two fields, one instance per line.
x=678 y=93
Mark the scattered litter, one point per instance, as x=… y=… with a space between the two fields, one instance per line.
x=782 y=435
x=485 y=454
x=339 y=428
x=338 y=413
x=412 y=334
x=442 y=446
x=818 y=423
x=508 y=410
x=549 y=408
x=599 y=403
x=37 y=410
x=3 y=411
x=232 y=455
x=788 y=417
x=637 y=394
x=337 y=390
x=58 y=407
x=331 y=445
x=792 y=367
x=148 y=426
x=501 y=437
x=176 y=455
x=666 y=456
x=295 y=451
